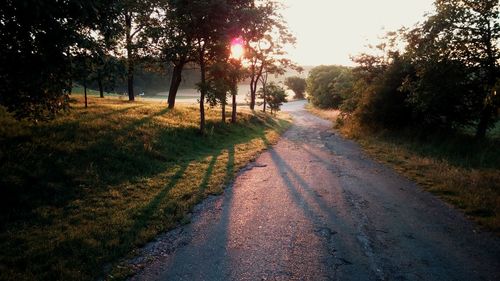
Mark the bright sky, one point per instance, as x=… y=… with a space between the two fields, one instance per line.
x=328 y=31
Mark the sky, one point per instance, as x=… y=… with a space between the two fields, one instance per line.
x=328 y=31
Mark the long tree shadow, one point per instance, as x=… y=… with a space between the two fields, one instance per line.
x=298 y=187
x=215 y=240
x=39 y=173
x=45 y=176
x=145 y=213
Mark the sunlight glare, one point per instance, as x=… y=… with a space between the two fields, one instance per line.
x=237 y=49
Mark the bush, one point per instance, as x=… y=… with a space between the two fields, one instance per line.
x=10 y=127
x=383 y=103
x=443 y=95
x=297 y=85
x=329 y=86
x=274 y=96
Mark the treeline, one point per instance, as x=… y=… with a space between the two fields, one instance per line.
x=48 y=46
x=150 y=81
x=445 y=78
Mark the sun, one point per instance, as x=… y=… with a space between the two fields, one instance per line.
x=237 y=49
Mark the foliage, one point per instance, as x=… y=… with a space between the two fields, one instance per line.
x=452 y=103
x=10 y=128
x=382 y=103
x=440 y=75
x=462 y=36
x=297 y=85
x=274 y=96
x=329 y=86
x=266 y=35
x=35 y=42
x=174 y=39
x=85 y=189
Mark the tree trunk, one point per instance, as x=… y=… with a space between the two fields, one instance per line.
x=264 y=89
x=484 y=121
x=70 y=86
x=174 y=84
x=202 y=92
x=253 y=91
x=233 y=114
x=85 y=92
x=490 y=107
x=224 y=109
x=130 y=62
x=254 y=81
x=99 y=82
x=70 y=90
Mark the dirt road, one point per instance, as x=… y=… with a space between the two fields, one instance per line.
x=314 y=207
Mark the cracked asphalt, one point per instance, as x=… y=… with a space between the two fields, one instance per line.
x=315 y=207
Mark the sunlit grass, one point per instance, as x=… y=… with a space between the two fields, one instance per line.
x=85 y=189
x=463 y=171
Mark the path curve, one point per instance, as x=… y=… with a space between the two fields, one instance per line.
x=314 y=207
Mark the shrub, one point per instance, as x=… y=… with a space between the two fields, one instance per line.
x=329 y=86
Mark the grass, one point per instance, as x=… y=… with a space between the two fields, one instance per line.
x=463 y=171
x=84 y=190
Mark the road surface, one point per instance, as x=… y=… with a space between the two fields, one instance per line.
x=315 y=207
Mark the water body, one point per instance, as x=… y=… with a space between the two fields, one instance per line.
x=192 y=95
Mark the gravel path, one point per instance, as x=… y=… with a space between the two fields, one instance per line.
x=314 y=207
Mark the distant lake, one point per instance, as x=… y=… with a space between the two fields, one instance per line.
x=191 y=95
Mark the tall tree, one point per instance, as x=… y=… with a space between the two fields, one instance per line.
x=466 y=33
x=133 y=16
x=175 y=39
x=266 y=38
x=208 y=26
x=212 y=24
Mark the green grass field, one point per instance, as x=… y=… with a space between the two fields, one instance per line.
x=460 y=169
x=78 y=90
x=82 y=191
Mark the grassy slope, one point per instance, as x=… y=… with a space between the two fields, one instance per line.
x=84 y=190
x=461 y=170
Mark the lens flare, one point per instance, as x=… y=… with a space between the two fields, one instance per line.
x=237 y=49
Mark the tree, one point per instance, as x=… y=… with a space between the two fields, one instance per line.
x=131 y=19
x=175 y=39
x=108 y=71
x=266 y=39
x=325 y=86
x=275 y=96
x=219 y=86
x=208 y=26
x=464 y=33
x=297 y=85
x=383 y=102
x=213 y=24
x=83 y=67
x=36 y=42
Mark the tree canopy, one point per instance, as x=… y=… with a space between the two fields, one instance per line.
x=297 y=85
x=96 y=42
x=446 y=76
